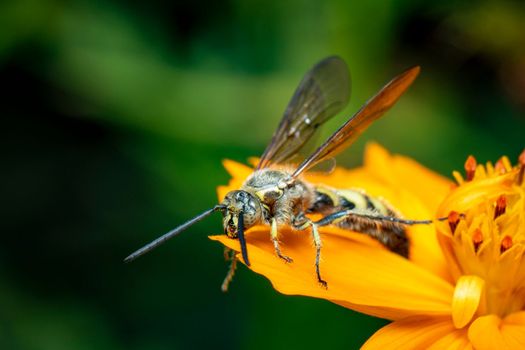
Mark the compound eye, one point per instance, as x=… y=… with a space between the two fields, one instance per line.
x=240 y=196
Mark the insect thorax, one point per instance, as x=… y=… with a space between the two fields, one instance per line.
x=280 y=201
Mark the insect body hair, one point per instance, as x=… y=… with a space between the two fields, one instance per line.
x=282 y=203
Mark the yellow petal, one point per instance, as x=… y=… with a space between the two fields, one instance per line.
x=455 y=340
x=236 y=170
x=490 y=332
x=359 y=271
x=418 y=332
x=424 y=248
x=484 y=333
x=513 y=330
x=474 y=193
x=389 y=313
x=467 y=297
x=239 y=172
x=429 y=186
x=419 y=193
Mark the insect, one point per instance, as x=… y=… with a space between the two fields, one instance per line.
x=277 y=197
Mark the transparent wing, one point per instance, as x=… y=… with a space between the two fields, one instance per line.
x=323 y=92
x=359 y=122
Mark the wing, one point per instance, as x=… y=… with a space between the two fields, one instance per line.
x=359 y=122
x=323 y=92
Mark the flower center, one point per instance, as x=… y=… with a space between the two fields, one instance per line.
x=485 y=235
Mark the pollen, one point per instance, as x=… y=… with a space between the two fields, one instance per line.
x=453 y=220
x=499 y=167
x=470 y=167
x=506 y=243
x=501 y=205
x=477 y=239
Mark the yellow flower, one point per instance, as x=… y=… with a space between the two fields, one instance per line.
x=461 y=288
x=484 y=248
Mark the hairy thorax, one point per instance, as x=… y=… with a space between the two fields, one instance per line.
x=280 y=199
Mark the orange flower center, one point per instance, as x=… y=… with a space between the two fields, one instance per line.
x=484 y=239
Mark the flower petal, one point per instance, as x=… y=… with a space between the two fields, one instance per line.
x=239 y=172
x=455 y=340
x=467 y=297
x=491 y=332
x=474 y=193
x=358 y=270
x=418 y=332
x=427 y=185
x=419 y=191
x=514 y=330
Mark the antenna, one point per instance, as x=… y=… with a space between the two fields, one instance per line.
x=150 y=246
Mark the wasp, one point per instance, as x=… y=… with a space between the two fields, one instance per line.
x=276 y=196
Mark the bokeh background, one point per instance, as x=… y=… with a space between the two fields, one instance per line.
x=116 y=116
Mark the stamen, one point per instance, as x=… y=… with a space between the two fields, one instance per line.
x=453 y=221
x=499 y=167
x=521 y=174
x=506 y=243
x=501 y=206
x=470 y=167
x=477 y=239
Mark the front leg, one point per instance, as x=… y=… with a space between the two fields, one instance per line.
x=229 y=255
x=275 y=239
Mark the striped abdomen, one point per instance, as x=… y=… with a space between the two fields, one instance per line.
x=390 y=234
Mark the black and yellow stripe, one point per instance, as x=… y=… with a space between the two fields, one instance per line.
x=355 y=210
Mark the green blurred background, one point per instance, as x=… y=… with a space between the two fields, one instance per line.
x=115 y=118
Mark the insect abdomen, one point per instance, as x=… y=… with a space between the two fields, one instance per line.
x=392 y=235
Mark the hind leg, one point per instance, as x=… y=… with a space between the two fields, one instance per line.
x=388 y=230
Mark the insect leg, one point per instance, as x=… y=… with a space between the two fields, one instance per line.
x=343 y=214
x=318 y=245
x=317 y=242
x=275 y=239
x=229 y=255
